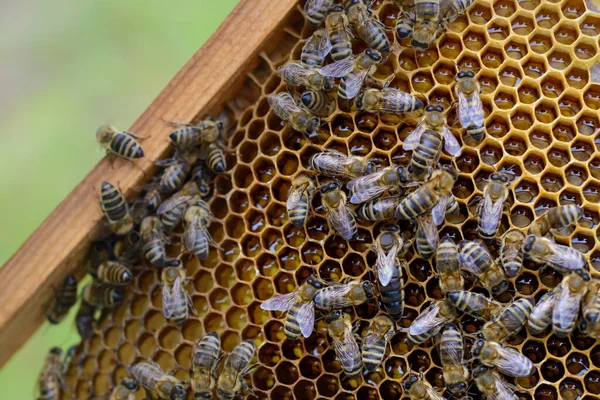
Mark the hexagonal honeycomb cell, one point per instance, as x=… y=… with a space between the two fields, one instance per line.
x=533 y=60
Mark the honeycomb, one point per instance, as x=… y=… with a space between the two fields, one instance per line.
x=535 y=62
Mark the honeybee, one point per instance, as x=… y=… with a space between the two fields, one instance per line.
x=510 y=252
x=316 y=10
x=492 y=385
x=418 y=388
x=452 y=9
x=508 y=360
x=126 y=250
x=176 y=301
x=452 y=349
x=152 y=197
x=115 y=208
x=490 y=208
x=392 y=295
x=151 y=378
x=50 y=380
x=368 y=187
x=65 y=297
x=470 y=109
x=154 y=241
x=388 y=246
x=353 y=72
x=368 y=28
x=340 y=216
x=427 y=21
x=379 y=209
x=376 y=341
x=285 y=107
x=432 y=195
x=591 y=310
x=541 y=315
x=122 y=143
x=299 y=305
x=177 y=169
x=112 y=273
x=205 y=361
x=200 y=175
x=337 y=30
x=296 y=74
x=299 y=199
x=172 y=210
x=446 y=265
x=236 y=366
x=427 y=238
x=556 y=219
x=475 y=304
x=431 y=321
x=567 y=303
x=562 y=258
x=84 y=320
x=405 y=24
x=426 y=142
x=214 y=156
x=125 y=390
x=476 y=258
x=317 y=103
x=316 y=49
x=340 y=295
x=344 y=343
x=99 y=295
x=196 y=237
x=509 y=321
x=190 y=135
x=338 y=165
x=386 y=101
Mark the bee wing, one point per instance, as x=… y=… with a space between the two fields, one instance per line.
x=280 y=303
x=294 y=197
x=166 y=299
x=564 y=257
x=504 y=391
x=433 y=395
x=283 y=104
x=340 y=291
x=394 y=99
x=340 y=218
x=426 y=320
x=566 y=307
x=338 y=69
x=438 y=212
x=190 y=233
x=386 y=264
x=430 y=230
x=306 y=318
x=491 y=213
x=511 y=361
x=414 y=138
x=318 y=44
x=451 y=145
x=347 y=348
x=172 y=202
x=469 y=113
x=468 y=263
x=365 y=188
x=354 y=82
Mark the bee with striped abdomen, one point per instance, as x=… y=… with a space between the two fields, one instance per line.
x=451 y=349
x=205 y=361
x=152 y=196
x=405 y=24
x=196 y=236
x=379 y=209
x=353 y=72
x=154 y=241
x=295 y=74
x=508 y=360
x=541 y=315
x=317 y=103
x=285 y=107
x=452 y=9
x=431 y=321
x=470 y=109
x=176 y=302
x=562 y=258
x=387 y=101
x=344 y=343
x=511 y=254
x=388 y=246
x=556 y=219
x=338 y=165
x=489 y=210
x=427 y=22
x=125 y=390
x=418 y=388
x=113 y=273
x=50 y=379
x=567 y=303
x=151 y=378
x=214 y=156
x=190 y=135
x=368 y=28
x=201 y=176
x=446 y=265
x=432 y=195
x=427 y=237
x=299 y=199
x=376 y=341
x=122 y=143
x=475 y=304
x=316 y=10
x=172 y=210
x=339 y=215
x=236 y=366
x=475 y=257
x=316 y=48
x=177 y=169
x=115 y=208
x=101 y=296
x=509 y=321
x=392 y=294
x=426 y=142
x=368 y=187
x=65 y=297
x=338 y=31
x=345 y=294
x=299 y=306
x=492 y=385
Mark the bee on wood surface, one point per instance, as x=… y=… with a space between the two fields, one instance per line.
x=344 y=343
x=338 y=31
x=380 y=209
x=353 y=72
x=489 y=211
x=151 y=378
x=477 y=260
x=340 y=295
x=367 y=187
x=213 y=155
x=388 y=246
x=431 y=321
x=509 y=361
x=152 y=196
x=567 y=304
x=299 y=199
x=176 y=302
x=541 y=315
x=475 y=304
x=177 y=169
x=236 y=366
x=205 y=361
x=387 y=101
x=190 y=135
x=285 y=107
x=65 y=297
x=101 y=296
x=295 y=74
x=315 y=11
x=556 y=219
x=427 y=237
x=316 y=48
x=509 y=321
x=122 y=143
x=115 y=208
x=368 y=28
x=317 y=103
x=50 y=379
x=452 y=349
x=126 y=249
x=511 y=254
x=470 y=109
x=492 y=384
x=418 y=388
x=154 y=241
x=113 y=273
x=447 y=267
x=338 y=165
x=172 y=210
x=339 y=215
x=125 y=390
x=376 y=341
x=196 y=236
x=562 y=258
x=299 y=306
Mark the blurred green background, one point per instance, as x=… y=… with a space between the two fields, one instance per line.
x=68 y=66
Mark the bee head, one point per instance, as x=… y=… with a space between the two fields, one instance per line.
x=583 y=274
x=337 y=8
x=412 y=379
x=476 y=350
x=478 y=370
x=429 y=108
x=462 y=74
x=130 y=384
x=314 y=125
x=358 y=102
x=369 y=289
x=528 y=243
x=335 y=184
x=500 y=288
x=458 y=388
x=373 y=55
x=402 y=173
x=314 y=282
x=333 y=316
x=178 y=393
x=329 y=84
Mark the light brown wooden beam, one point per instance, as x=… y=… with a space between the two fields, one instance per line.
x=58 y=245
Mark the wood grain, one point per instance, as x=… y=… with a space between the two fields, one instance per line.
x=58 y=245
